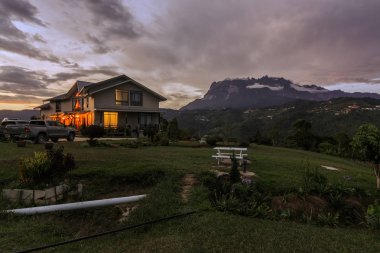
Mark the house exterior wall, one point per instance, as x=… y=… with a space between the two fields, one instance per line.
x=106 y=99
x=66 y=106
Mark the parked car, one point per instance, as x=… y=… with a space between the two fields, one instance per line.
x=12 y=129
x=40 y=131
x=9 y=119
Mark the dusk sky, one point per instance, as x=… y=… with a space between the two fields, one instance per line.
x=179 y=47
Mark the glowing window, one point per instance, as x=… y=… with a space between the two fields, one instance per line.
x=110 y=119
x=121 y=97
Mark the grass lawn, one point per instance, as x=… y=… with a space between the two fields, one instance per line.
x=119 y=171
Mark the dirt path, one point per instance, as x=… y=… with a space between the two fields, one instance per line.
x=188 y=181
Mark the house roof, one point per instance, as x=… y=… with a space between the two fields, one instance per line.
x=43 y=106
x=77 y=87
x=115 y=81
x=91 y=88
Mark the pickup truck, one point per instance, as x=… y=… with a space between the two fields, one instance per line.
x=41 y=131
x=12 y=129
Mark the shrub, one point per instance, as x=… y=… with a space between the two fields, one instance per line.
x=373 y=216
x=211 y=140
x=46 y=167
x=93 y=132
x=36 y=169
x=234 y=173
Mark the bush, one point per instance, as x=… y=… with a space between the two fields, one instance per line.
x=373 y=216
x=46 y=167
x=93 y=132
x=234 y=173
x=211 y=140
x=36 y=169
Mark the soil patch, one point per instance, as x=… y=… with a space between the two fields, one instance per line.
x=188 y=181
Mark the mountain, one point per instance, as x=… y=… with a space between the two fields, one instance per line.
x=24 y=114
x=264 y=92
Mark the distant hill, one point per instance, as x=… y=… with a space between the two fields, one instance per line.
x=328 y=118
x=23 y=114
x=264 y=92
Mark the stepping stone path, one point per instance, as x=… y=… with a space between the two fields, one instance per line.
x=188 y=181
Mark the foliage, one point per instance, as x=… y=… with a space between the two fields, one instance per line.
x=241 y=198
x=36 y=169
x=211 y=140
x=302 y=134
x=234 y=173
x=327 y=148
x=328 y=219
x=373 y=216
x=173 y=130
x=92 y=132
x=46 y=167
x=313 y=181
x=366 y=145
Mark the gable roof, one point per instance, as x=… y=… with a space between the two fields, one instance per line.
x=92 y=88
x=115 y=81
x=77 y=87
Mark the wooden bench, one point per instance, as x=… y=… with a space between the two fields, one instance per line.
x=226 y=153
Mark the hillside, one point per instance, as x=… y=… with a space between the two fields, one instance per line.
x=327 y=117
x=264 y=92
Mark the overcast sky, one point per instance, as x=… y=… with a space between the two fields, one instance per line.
x=179 y=47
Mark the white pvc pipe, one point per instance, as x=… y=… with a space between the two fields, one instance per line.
x=76 y=205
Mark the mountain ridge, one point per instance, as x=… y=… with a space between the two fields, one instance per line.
x=244 y=93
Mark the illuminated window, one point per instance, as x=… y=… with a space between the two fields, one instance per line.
x=121 y=97
x=110 y=119
x=136 y=98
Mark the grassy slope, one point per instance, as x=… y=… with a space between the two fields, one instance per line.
x=209 y=231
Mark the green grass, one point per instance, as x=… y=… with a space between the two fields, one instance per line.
x=119 y=171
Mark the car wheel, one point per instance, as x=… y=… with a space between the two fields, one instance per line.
x=71 y=136
x=54 y=139
x=41 y=138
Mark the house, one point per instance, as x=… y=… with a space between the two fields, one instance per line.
x=119 y=102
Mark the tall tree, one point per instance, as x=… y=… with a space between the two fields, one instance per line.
x=302 y=134
x=366 y=145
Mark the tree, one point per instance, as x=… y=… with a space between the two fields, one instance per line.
x=173 y=130
x=366 y=146
x=343 y=144
x=302 y=134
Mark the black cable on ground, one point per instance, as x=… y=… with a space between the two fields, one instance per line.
x=107 y=232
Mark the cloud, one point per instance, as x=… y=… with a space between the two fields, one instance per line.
x=23 y=48
x=21 y=10
x=16 y=41
x=197 y=42
x=113 y=18
x=179 y=94
x=19 y=99
x=22 y=77
x=82 y=73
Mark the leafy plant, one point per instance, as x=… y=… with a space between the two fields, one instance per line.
x=211 y=140
x=35 y=169
x=329 y=219
x=46 y=167
x=93 y=132
x=314 y=181
x=373 y=216
x=234 y=173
